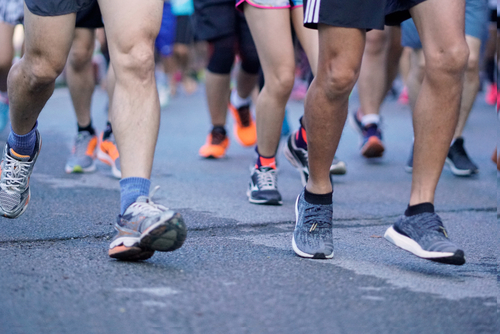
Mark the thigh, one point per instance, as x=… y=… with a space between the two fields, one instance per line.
x=272 y=35
x=131 y=23
x=440 y=24
x=83 y=46
x=48 y=37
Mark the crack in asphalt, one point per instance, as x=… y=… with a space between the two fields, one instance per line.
x=108 y=236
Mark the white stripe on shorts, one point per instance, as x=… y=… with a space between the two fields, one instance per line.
x=312 y=11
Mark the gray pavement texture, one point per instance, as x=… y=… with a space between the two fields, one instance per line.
x=237 y=272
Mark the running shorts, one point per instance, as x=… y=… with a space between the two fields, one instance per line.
x=476 y=24
x=12 y=11
x=360 y=14
x=165 y=40
x=274 y=4
x=57 y=7
x=218 y=19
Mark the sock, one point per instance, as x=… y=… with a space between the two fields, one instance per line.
x=238 y=101
x=301 y=137
x=413 y=210
x=107 y=132
x=23 y=144
x=323 y=199
x=89 y=128
x=265 y=161
x=219 y=129
x=370 y=119
x=131 y=188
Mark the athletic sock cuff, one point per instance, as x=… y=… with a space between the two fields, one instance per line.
x=130 y=189
x=23 y=144
x=237 y=101
x=413 y=210
x=324 y=199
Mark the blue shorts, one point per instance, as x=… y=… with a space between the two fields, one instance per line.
x=476 y=24
x=165 y=41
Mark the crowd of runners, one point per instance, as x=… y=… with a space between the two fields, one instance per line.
x=442 y=51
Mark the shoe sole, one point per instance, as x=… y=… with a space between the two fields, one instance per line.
x=296 y=249
x=133 y=253
x=290 y=156
x=373 y=148
x=459 y=172
x=103 y=157
x=165 y=236
x=79 y=169
x=413 y=247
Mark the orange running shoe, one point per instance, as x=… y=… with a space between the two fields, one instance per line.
x=216 y=146
x=107 y=152
x=245 y=130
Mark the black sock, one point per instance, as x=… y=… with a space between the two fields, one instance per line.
x=219 y=129
x=413 y=210
x=107 y=132
x=325 y=199
x=87 y=128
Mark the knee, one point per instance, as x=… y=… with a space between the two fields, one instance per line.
x=136 y=60
x=375 y=42
x=339 y=80
x=280 y=83
x=79 y=58
x=451 y=61
x=42 y=71
x=473 y=63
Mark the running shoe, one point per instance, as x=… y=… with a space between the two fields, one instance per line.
x=82 y=155
x=263 y=186
x=299 y=159
x=16 y=170
x=144 y=228
x=458 y=160
x=425 y=236
x=403 y=97
x=313 y=237
x=107 y=152
x=216 y=145
x=245 y=129
x=409 y=162
x=371 y=137
x=4 y=111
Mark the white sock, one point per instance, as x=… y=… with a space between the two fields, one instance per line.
x=370 y=119
x=238 y=101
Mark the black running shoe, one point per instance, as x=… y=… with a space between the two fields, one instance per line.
x=313 y=236
x=425 y=236
x=263 y=187
x=298 y=158
x=458 y=160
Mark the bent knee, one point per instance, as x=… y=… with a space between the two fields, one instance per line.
x=42 y=71
x=280 y=83
x=136 y=60
x=79 y=58
x=339 y=80
x=451 y=61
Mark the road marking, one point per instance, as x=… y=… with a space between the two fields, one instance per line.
x=91 y=180
x=159 y=292
x=153 y=303
x=374 y=298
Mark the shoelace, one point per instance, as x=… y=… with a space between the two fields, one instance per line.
x=318 y=217
x=244 y=113
x=266 y=178
x=217 y=138
x=15 y=174
x=149 y=206
x=435 y=225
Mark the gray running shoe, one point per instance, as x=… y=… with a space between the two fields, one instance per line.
x=313 y=237
x=299 y=159
x=425 y=236
x=144 y=228
x=83 y=154
x=263 y=187
x=16 y=170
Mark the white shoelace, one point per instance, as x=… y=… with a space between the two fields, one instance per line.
x=266 y=180
x=15 y=174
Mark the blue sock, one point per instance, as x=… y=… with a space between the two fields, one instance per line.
x=24 y=144
x=131 y=188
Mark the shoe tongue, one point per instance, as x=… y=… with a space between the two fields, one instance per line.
x=18 y=156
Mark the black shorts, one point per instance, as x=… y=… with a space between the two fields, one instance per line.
x=89 y=17
x=184 y=29
x=88 y=14
x=360 y=14
x=217 y=19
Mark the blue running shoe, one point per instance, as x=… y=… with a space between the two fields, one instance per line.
x=371 y=137
x=313 y=237
x=425 y=236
